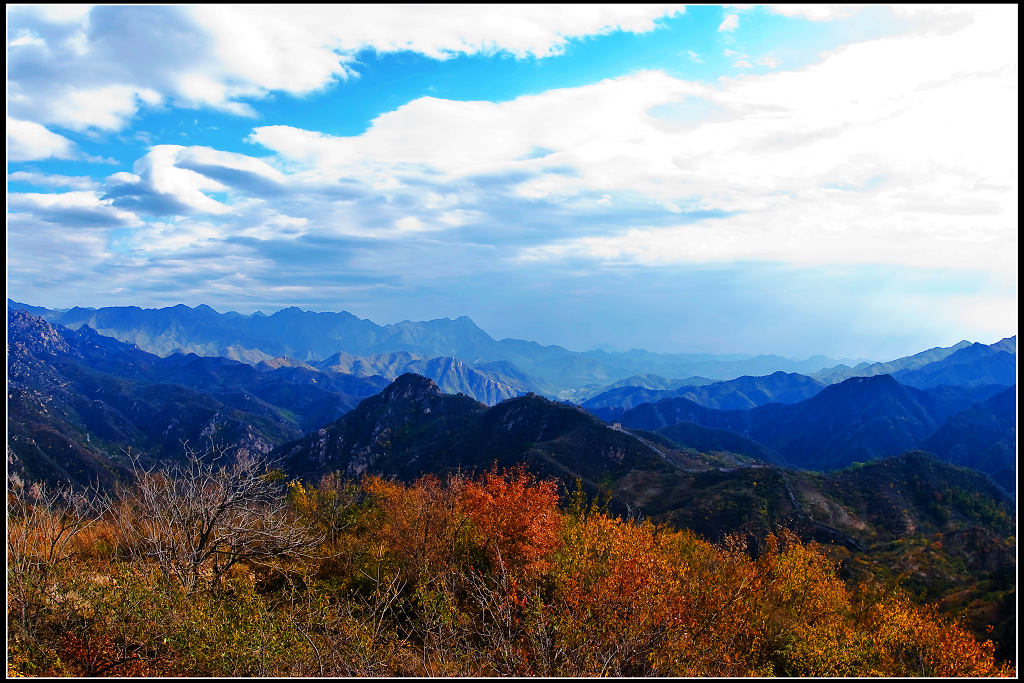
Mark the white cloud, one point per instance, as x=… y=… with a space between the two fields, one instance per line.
x=212 y=161
x=58 y=12
x=123 y=178
x=896 y=151
x=899 y=150
x=53 y=180
x=80 y=67
x=173 y=179
x=28 y=141
x=160 y=172
x=25 y=38
x=75 y=209
x=730 y=23
x=814 y=228
x=438 y=31
x=584 y=126
x=174 y=237
x=411 y=224
x=816 y=12
x=107 y=108
x=747 y=62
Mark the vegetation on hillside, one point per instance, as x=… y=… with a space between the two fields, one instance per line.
x=223 y=569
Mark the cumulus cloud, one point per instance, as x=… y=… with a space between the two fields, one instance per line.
x=876 y=154
x=262 y=43
x=873 y=155
x=584 y=128
x=94 y=68
x=75 y=209
x=29 y=141
x=173 y=179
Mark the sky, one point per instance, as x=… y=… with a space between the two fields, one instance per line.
x=791 y=179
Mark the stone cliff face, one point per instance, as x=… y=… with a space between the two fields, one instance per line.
x=455 y=377
x=27 y=335
x=452 y=375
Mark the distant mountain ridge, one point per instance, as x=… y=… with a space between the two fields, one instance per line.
x=857 y=420
x=962 y=365
x=736 y=394
x=972 y=365
x=451 y=374
x=310 y=336
x=908 y=363
x=983 y=437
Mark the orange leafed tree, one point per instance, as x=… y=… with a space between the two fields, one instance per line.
x=517 y=516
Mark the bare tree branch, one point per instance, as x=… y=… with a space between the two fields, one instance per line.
x=199 y=518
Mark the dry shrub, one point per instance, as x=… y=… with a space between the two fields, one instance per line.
x=197 y=519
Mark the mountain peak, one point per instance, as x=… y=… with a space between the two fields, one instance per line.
x=31 y=332
x=876 y=380
x=410 y=386
x=855 y=386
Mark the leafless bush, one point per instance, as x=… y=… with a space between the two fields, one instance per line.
x=42 y=523
x=518 y=637
x=199 y=518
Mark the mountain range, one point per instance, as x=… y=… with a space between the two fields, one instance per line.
x=784 y=417
x=859 y=419
x=946 y=530
x=962 y=365
x=310 y=336
x=412 y=428
x=736 y=394
x=912 y=469
x=76 y=391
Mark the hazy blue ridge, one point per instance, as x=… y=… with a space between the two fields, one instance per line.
x=972 y=365
x=310 y=336
x=859 y=419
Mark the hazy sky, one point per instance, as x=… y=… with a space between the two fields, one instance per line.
x=784 y=179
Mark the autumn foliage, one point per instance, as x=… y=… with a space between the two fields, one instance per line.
x=469 y=576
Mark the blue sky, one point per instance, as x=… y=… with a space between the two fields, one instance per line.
x=788 y=179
